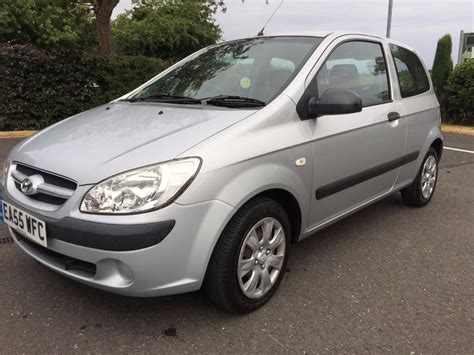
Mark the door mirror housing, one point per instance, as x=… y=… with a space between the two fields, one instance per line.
x=334 y=102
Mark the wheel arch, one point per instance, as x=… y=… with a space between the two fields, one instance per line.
x=289 y=203
x=285 y=198
x=434 y=139
x=437 y=145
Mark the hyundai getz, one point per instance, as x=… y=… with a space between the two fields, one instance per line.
x=208 y=173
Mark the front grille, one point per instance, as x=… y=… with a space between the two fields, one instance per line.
x=48 y=178
x=52 y=200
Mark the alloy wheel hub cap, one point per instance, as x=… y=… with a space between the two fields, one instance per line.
x=261 y=257
x=428 y=177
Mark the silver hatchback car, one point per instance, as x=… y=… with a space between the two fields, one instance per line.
x=205 y=175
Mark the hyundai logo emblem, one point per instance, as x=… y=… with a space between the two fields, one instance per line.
x=27 y=187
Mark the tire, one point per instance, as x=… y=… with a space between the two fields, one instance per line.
x=226 y=279
x=415 y=195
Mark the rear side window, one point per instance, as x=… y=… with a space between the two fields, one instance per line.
x=358 y=66
x=411 y=73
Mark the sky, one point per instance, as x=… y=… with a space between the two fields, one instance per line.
x=418 y=23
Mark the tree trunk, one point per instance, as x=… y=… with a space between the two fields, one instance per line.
x=105 y=35
x=103 y=12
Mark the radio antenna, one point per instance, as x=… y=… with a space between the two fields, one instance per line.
x=274 y=12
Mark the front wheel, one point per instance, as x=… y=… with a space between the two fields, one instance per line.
x=420 y=192
x=250 y=257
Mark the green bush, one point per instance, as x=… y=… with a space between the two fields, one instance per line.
x=460 y=91
x=40 y=88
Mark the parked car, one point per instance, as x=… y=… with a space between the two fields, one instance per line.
x=208 y=173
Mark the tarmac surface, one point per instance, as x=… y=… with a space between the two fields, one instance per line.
x=387 y=279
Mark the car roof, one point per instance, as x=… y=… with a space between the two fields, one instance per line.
x=299 y=33
x=319 y=34
x=335 y=34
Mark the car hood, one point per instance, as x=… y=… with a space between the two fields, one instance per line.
x=110 y=139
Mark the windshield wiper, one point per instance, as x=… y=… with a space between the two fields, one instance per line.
x=232 y=101
x=220 y=100
x=162 y=97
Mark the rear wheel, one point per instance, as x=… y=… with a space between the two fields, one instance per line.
x=250 y=257
x=420 y=192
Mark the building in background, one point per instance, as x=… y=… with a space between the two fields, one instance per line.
x=466 y=44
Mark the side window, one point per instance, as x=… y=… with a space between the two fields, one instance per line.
x=357 y=66
x=411 y=74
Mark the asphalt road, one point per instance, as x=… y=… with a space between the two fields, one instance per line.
x=387 y=279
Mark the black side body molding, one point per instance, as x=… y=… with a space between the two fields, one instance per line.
x=352 y=180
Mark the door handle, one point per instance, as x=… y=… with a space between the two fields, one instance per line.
x=393 y=116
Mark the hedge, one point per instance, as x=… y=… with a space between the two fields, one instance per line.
x=460 y=92
x=38 y=88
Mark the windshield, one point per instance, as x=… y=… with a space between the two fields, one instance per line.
x=251 y=71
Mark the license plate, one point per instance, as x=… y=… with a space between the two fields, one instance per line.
x=31 y=227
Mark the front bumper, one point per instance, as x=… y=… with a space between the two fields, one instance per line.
x=176 y=264
x=108 y=236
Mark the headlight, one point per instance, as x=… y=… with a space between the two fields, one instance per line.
x=142 y=189
x=6 y=167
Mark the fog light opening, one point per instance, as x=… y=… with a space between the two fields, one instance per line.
x=125 y=271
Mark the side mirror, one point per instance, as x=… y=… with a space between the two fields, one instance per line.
x=334 y=102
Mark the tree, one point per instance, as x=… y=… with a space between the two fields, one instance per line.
x=169 y=29
x=103 y=12
x=63 y=24
x=443 y=64
x=442 y=67
x=49 y=24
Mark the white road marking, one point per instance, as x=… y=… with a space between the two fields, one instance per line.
x=460 y=150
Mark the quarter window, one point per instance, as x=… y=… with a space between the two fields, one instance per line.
x=411 y=73
x=357 y=66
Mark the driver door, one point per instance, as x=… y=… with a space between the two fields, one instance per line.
x=357 y=156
